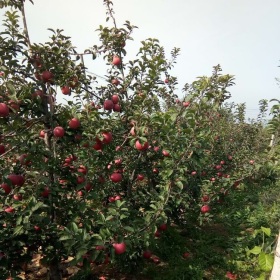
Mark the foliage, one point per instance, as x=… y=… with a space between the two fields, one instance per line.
x=122 y=158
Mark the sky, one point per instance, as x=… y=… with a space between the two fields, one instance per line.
x=243 y=36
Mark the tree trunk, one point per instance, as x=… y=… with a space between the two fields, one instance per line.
x=54 y=272
x=275 y=273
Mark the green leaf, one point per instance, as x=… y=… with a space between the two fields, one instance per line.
x=65 y=237
x=130 y=229
x=256 y=250
x=267 y=231
x=18 y=230
x=265 y=261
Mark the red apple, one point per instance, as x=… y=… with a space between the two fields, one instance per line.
x=88 y=187
x=74 y=123
x=186 y=255
x=37 y=228
x=116 y=60
x=157 y=233
x=186 y=104
x=205 y=198
x=115 y=82
x=23 y=161
x=251 y=162
x=42 y=134
x=156 y=149
x=155 y=170
x=58 y=131
x=17 y=197
x=111 y=199
x=16 y=180
x=4 y=110
x=156 y=260
x=147 y=254
x=118 y=161
x=163 y=227
x=140 y=177
x=107 y=137
x=116 y=177
x=117 y=108
x=166 y=81
x=120 y=248
x=80 y=179
x=82 y=169
x=165 y=153
x=45 y=193
x=118 y=197
x=9 y=210
x=66 y=90
x=2 y=149
x=141 y=147
x=230 y=157
x=204 y=209
x=115 y=99
x=108 y=105
x=193 y=173
x=47 y=76
x=98 y=145
x=7 y=189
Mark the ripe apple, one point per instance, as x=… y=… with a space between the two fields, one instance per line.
x=118 y=197
x=141 y=147
x=37 y=228
x=7 y=189
x=66 y=90
x=98 y=145
x=186 y=104
x=74 y=123
x=251 y=162
x=108 y=105
x=80 y=179
x=115 y=82
x=155 y=170
x=156 y=260
x=88 y=187
x=204 y=209
x=42 y=134
x=58 y=131
x=118 y=161
x=82 y=169
x=230 y=157
x=4 y=110
x=2 y=149
x=9 y=210
x=116 y=177
x=205 y=198
x=218 y=167
x=115 y=99
x=107 y=137
x=17 y=197
x=186 y=255
x=47 y=76
x=23 y=161
x=163 y=227
x=16 y=180
x=45 y=193
x=111 y=199
x=166 y=81
x=132 y=131
x=156 y=149
x=147 y=254
x=140 y=177
x=193 y=173
x=116 y=60
x=165 y=153
x=120 y=248
x=117 y=108
x=222 y=162
x=157 y=233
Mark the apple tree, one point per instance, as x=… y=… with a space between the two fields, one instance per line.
x=102 y=174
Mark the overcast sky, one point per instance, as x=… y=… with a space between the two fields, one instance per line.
x=243 y=36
